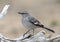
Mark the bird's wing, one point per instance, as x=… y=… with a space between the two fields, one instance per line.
x=35 y=22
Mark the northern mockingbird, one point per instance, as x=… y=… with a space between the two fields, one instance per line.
x=31 y=23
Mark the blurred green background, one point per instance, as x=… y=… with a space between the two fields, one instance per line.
x=46 y=11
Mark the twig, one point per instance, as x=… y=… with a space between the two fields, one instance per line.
x=4 y=11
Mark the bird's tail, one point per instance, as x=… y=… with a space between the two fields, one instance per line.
x=47 y=28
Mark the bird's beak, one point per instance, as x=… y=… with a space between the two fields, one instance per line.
x=22 y=13
x=19 y=12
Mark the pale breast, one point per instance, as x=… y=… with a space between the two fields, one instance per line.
x=27 y=24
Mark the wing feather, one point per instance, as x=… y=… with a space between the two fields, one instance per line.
x=35 y=22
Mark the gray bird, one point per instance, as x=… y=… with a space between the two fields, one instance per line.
x=31 y=23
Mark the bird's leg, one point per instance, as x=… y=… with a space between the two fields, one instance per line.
x=33 y=32
x=26 y=33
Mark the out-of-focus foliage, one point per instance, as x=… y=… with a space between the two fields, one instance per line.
x=0 y=1
x=54 y=23
x=58 y=1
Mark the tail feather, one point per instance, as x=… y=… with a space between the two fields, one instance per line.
x=49 y=29
x=42 y=26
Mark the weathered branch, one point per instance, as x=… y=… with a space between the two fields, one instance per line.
x=39 y=37
x=4 y=11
